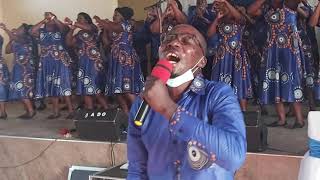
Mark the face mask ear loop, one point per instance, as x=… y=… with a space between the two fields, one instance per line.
x=195 y=68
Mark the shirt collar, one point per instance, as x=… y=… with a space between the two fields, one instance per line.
x=198 y=85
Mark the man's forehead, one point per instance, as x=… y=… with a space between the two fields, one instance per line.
x=184 y=28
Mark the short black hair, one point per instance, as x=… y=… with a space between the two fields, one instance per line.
x=126 y=12
x=26 y=28
x=86 y=17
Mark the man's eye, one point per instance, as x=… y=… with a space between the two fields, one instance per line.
x=186 y=40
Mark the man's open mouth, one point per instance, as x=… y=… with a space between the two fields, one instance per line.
x=173 y=58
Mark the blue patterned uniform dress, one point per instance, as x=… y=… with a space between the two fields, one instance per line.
x=22 y=80
x=316 y=64
x=282 y=64
x=4 y=76
x=231 y=63
x=124 y=72
x=202 y=25
x=253 y=41
x=54 y=75
x=91 y=69
x=307 y=47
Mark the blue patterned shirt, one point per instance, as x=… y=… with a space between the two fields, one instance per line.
x=205 y=140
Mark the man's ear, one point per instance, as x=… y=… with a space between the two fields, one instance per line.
x=203 y=62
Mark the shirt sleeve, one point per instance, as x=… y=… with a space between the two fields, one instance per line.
x=224 y=139
x=137 y=153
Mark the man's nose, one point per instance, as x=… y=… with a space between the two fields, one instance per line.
x=174 y=43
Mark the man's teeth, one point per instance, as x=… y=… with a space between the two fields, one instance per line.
x=172 y=62
x=172 y=55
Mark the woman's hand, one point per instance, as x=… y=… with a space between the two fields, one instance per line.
x=3 y=26
x=68 y=21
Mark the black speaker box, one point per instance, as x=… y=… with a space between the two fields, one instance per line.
x=101 y=125
x=257 y=132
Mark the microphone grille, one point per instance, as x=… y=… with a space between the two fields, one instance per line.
x=162 y=70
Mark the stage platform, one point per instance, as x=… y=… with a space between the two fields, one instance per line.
x=41 y=153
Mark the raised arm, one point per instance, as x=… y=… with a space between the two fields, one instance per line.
x=35 y=29
x=12 y=37
x=109 y=25
x=180 y=17
x=233 y=11
x=61 y=26
x=9 y=47
x=314 y=20
x=8 y=32
x=212 y=30
x=155 y=24
x=254 y=8
x=70 y=39
x=106 y=39
x=303 y=13
x=86 y=27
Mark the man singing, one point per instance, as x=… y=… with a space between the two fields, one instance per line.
x=194 y=129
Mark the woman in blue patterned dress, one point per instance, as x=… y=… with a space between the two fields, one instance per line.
x=314 y=21
x=4 y=81
x=253 y=43
x=231 y=64
x=282 y=64
x=124 y=76
x=254 y=38
x=22 y=75
x=304 y=14
x=201 y=16
x=91 y=72
x=54 y=74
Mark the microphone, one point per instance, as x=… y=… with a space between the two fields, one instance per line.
x=162 y=71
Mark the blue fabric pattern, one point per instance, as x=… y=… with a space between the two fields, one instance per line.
x=124 y=72
x=201 y=23
x=205 y=140
x=307 y=47
x=254 y=38
x=54 y=75
x=231 y=63
x=4 y=76
x=282 y=64
x=91 y=72
x=23 y=77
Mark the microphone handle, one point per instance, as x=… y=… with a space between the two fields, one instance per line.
x=142 y=113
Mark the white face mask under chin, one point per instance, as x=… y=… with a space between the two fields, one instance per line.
x=183 y=78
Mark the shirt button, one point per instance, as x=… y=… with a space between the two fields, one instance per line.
x=180 y=130
x=174 y=141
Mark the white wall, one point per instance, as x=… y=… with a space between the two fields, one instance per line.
x=138 y=7
x=1 y=10
x=16 y=12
